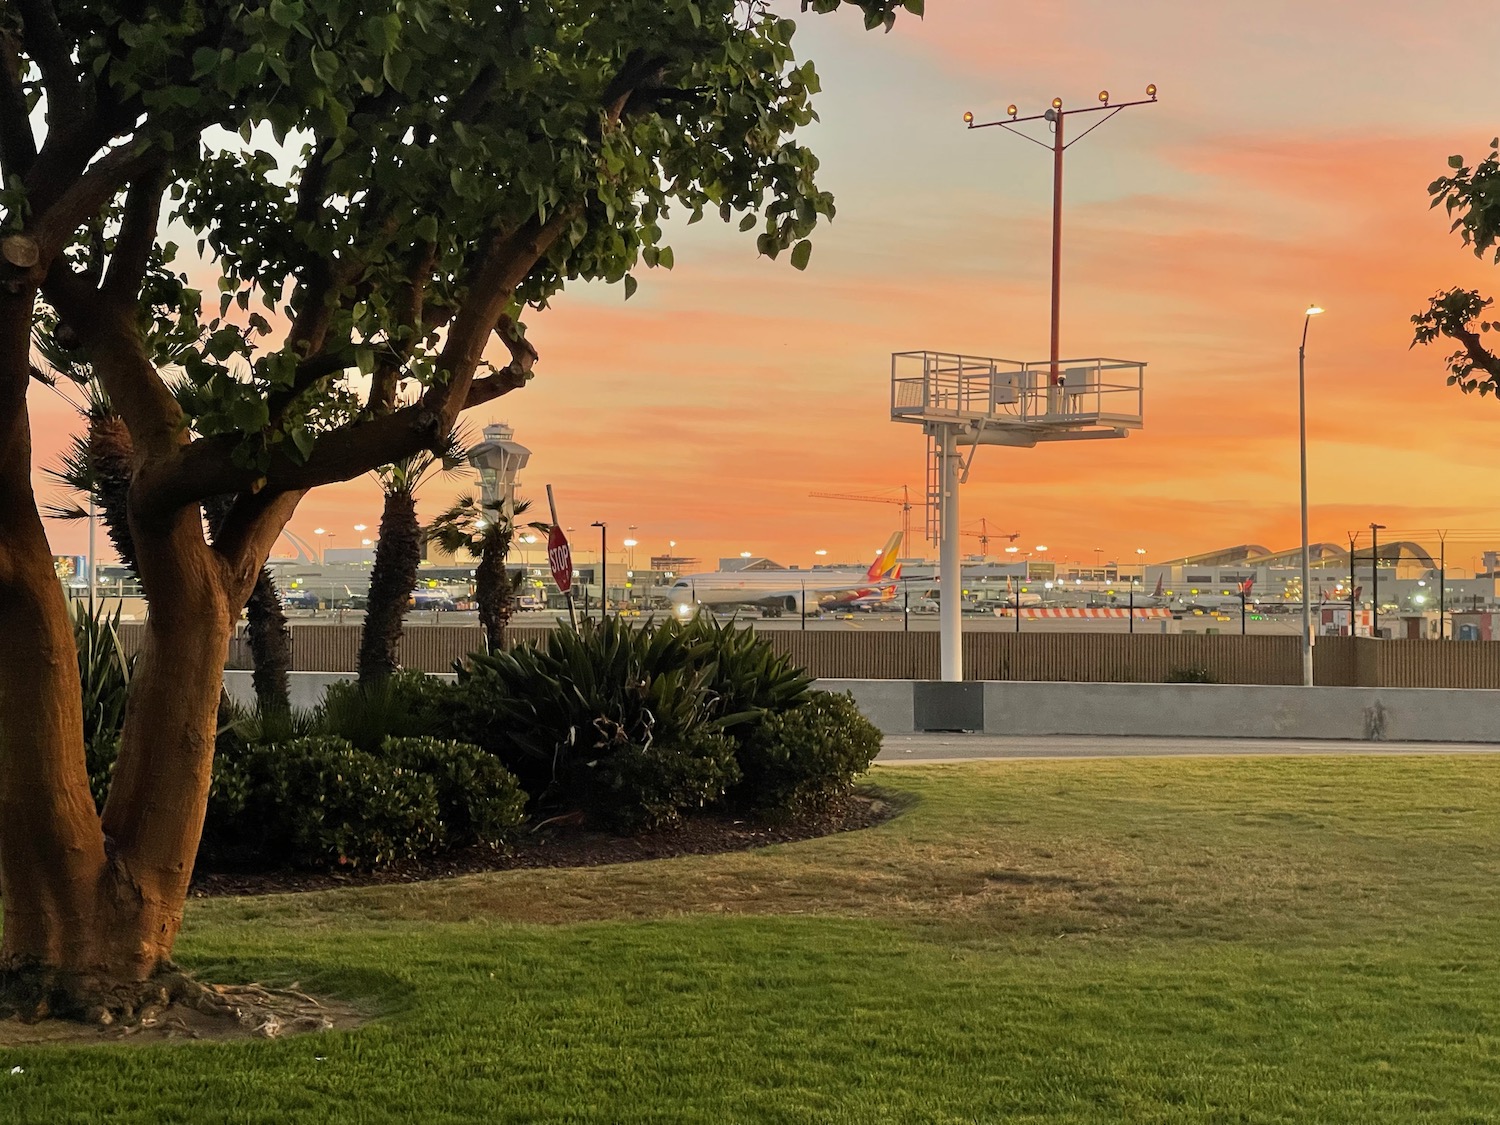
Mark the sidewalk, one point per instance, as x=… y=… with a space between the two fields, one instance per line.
x=912 y=749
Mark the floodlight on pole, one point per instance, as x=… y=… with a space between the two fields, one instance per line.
x=1055 y=118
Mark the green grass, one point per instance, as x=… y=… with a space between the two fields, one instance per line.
x=1237 y=940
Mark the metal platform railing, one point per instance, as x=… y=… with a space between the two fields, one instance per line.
x=947 y=387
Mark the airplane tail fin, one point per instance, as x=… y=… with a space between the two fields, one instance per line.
x=886 y=560
x=888 y=593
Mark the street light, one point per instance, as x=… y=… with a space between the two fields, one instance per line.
x=603 y=567
x=322 y=547
x=1307 y=657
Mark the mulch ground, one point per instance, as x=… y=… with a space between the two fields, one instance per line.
x=570 y=845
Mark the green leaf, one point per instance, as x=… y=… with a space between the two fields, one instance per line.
x=1455 y=161
x=630 y=286
x=664 y=258
x=801 y=254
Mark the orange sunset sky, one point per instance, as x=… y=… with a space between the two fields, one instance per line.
x=1286 y=162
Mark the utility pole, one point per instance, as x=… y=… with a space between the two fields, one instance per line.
x=1442 y=584
x=1375 y=529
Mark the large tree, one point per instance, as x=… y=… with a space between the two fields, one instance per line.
x=1471 y=196
x=373 y=190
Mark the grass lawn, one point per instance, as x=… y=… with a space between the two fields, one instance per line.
x=1170 y=940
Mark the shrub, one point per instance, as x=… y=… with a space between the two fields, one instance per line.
x=405 y=705
x=802 y=758
x=747 y=678
x=639 y=787
x=318 y=802
x=481 y=801
x=104 y=670
x=557 y=712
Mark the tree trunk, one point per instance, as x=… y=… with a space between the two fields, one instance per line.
x=93 y=906
x=392 y=579
x=492 y=592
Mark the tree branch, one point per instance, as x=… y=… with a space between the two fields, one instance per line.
x=17 y=142
x=1480 y=356
x=119 y=359
x=137 y=235
x=44 y=40
x=47 y=235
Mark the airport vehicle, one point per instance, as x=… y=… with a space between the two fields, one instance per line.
x=784 y=591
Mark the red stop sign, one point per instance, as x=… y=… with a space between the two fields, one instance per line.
x=560 y=559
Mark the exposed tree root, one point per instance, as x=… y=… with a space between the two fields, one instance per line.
x=170 y=1004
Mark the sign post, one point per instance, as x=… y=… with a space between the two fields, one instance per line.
x=560 y=558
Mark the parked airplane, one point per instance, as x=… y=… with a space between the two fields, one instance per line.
x=785 y=590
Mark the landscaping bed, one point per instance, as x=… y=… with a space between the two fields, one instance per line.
x=569 y=844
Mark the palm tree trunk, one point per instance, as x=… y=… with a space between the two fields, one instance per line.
x=397 y=556
x=492 y=592
x=265 y=628
x=270 y=645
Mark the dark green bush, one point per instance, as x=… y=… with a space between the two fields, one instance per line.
x=746 y=677
x=557 y=712
x=639 y=787
x=481 y=802
x=800 y=759
x=318 y=802
x=405 y=705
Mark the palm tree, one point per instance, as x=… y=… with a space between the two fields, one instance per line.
x=486 y=533
x=398 y=553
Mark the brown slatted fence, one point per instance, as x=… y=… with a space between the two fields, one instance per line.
x=1077 y=657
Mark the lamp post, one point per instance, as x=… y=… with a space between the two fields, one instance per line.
x=1307 y=657
x=603 y=567
x=1375 y=529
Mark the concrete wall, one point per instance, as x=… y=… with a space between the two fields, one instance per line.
x=1150 y=710
x=1204 y=710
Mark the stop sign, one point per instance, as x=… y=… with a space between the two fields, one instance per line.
x=560 y=559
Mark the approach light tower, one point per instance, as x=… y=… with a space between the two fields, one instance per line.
x=973 y=401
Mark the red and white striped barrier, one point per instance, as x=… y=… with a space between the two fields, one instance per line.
x=1113 y=614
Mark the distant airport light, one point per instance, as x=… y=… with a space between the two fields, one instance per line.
x=319 y=531
x=1314 y=310
x=364 y=542
x=1041 y=548
x=359 y=527
x=1012 y=549
x=744 y=554
x=627 y=542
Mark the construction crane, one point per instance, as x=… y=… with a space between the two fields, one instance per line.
x=904 y=502
x=984 y=536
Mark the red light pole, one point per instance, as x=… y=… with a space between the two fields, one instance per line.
x=1055 y=117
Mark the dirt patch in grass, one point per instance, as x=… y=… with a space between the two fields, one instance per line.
x=565 y=844
x=233 y=1012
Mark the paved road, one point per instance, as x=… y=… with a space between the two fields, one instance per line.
x=909 y=749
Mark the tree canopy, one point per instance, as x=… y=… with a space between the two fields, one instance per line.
x=1471 y=196
x=379 y=187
